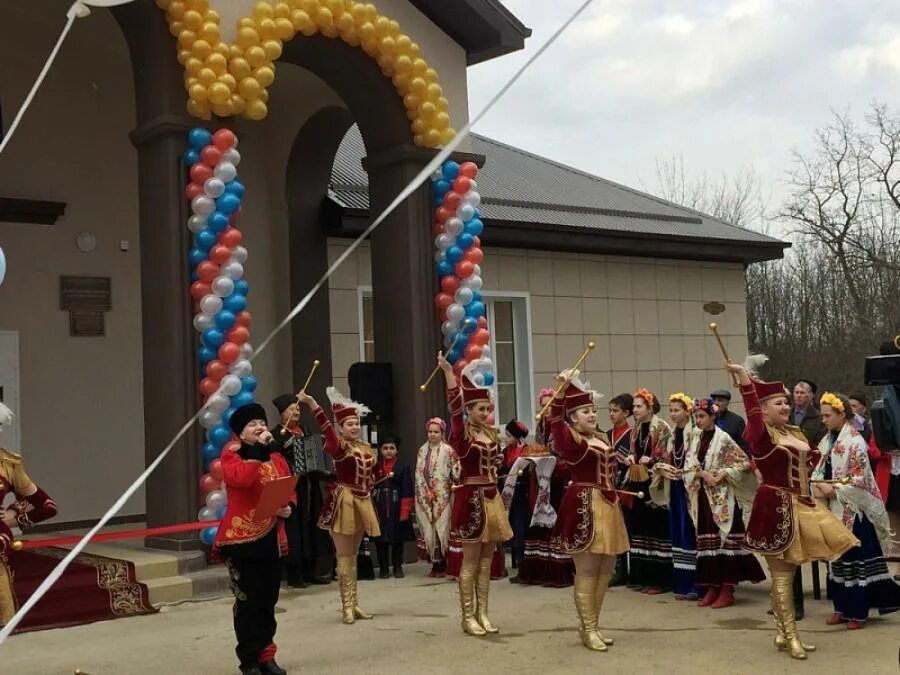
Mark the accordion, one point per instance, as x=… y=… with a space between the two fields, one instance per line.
x=309 y=456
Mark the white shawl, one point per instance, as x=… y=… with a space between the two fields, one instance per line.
x=433 y=480
x=850 y=459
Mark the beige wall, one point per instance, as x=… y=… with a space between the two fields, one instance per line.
x=80 y=410
x=645 y=316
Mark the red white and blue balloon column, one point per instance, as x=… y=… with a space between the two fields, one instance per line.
x=458 y=262
x=220 y=296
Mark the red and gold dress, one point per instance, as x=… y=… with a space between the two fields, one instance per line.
x=29 y=510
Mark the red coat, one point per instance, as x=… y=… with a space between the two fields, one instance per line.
x=244 y=479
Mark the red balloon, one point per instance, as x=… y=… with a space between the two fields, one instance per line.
x=437 y=229
x=219 y=254
x=231 y=446
x=482 y=322
x=210 y=155
x=443 y=213
x=452 y=200
x=449 y=284
x=199 y=290
x=229 y=352
x=193 y=190
x=234 y=216
x=216 y=470
x=224 y=139
x=443 y=300
x=459 y=365
x=238 y=335
x=464 y=268
x=462 y=184
x=468 y=169
x=480 y=337
x=476 y=241
x=243 y=319
x=216 y=370
x=207 y=271
x=207 y=386
x=208 y=484
x=490 y=420
x=230 y=237
x=474 y=255
x=443 y=315
x=472 y=351
x=200 y=173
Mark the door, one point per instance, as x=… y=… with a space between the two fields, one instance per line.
x=10 y=438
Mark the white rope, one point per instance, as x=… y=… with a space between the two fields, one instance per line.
x=420 y=178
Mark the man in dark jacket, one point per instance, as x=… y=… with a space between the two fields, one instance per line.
x=729 y=422
x=805 y=414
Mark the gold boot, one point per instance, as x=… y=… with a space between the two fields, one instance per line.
x=586 y=606
x=467 y=575
x=783 y=608
x=346 y=582
x=482 y=589
x=599 y=594
x=357 y=612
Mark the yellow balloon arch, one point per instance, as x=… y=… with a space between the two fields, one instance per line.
x=232 y=79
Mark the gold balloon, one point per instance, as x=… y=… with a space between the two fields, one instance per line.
x=418 y=85
x=272 y=48
x=330 y=31
x=219 y=94
x=447 y=135
x=403 y=64
x=366 y=31
x=324 y=17
x=442 y=104
x=249 y=87
x=419 y=140
x=201 y=49
x=344 y=22
x=441 y=121
x=210 y=32
x=370 y=46
x=163 y=4
x=350 y=37
x=197 y=92
x=404 y=42
x=388 y=45
x=310 y=6
x=359 y=14
x=256 y=110
x=300 y=19
x=282 y=10
x=265 y=75
x=267 y=30
x=419 y=125
x=198 y=110
x=284 y=28
x=386 y=63
x=264 y=95
x=246 y=22
x=239 y=68
x=432 y=137
x=229 y=81
x=223 y=49
x=193 y=66
x=412 y=101
x=238 y=104
x=177 y=9
x=222 y=109
x=186 y=38
x=382 y=26
x=235 y=52
x=430 y=75
x=335 y=6
x=175 y=28
x=247 y=37
x=206 y=76
x=401 y=82
x=212 y=16
x=218 y=63
x=192 y=20
x=183 y=56
x=427 y=110
x=263 y=10
x=256 y=56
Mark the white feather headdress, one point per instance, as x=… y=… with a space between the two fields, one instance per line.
x=753 y=363
x=6 y=416
x=574 y=377
x=338 y=401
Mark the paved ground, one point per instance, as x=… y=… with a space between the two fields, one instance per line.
x=417 y=631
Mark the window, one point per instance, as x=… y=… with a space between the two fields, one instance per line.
x=508 y=323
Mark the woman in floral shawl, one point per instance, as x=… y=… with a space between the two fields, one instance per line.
x=859 y=580
x=434 y=476
x=720 y=487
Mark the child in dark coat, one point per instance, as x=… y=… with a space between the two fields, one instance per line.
x=394 y=498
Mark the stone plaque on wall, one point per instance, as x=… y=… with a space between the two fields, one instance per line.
x=86 y=299
x=86 y=324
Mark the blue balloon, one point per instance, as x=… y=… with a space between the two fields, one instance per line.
x=475 y=309
x=477 y=214
x=474 y=227
x=454 y=254
x=437 y=201
x=210 y=452
x=248 y=383
x=226 y=416
x=235 y=188
x=217 y=221
x=465 y=241
x=194 y=276
x=208 y=536
x=441 y=188
x=225 y=319
x=197 y=256
x=228 y=203
x=241 y=287
x=191 y=157
x=450 y=170
x=444 y=268
x=205 y=355
x=213 y=338
x=476 y=296
x=469 y=326
x=198 y=138
x=235 y=303
x=488 y=379
x=219 y=435
x=220 y=512
x=205 y=239
x=243 y=398
x=455 y=337
x=454 y=356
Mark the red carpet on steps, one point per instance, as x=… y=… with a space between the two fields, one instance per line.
x=93 y=588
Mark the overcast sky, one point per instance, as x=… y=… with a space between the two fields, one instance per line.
x=724 y=83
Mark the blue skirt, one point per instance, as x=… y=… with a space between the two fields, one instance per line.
x=859 y=580
x=684 y=541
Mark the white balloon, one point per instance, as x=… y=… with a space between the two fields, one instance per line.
x=449 y=327
x=233 y=270
x=214 y=187
x=463 y=296
x=453 y=226
x=473 y=199
x=241 y=368
x=447 y=341
x=196 y=223
x=466 y=212
x=246 y=350
x=218 y=403
x=206 y=514
x=211 y=305
x=222 y=286
x=474 y=282
x=486 y=352
x=225 y=172
x=202 y=322
x=239 y=254
x=486 y=364
x=440 y=255
x=215 y=500
x=203 y=205
x=473 y=185
x=437 y=175
x=231 y=385
x=232 y=156
x=455 y=312
x=444 y=241
x=210 y=419
x=476 y=270
x=478 y=379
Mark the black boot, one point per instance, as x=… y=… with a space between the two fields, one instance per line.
x=397 y=560
x=798 y=594
x=309 y=572
x=382 y=550
x=295 y=576
x=251 y=670
x=620 y=576
x=272 y=668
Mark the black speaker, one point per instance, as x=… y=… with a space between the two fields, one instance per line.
x=373 y=385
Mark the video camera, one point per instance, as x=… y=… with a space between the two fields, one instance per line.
x=884 y=371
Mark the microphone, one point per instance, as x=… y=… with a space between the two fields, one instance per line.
x=266 y=438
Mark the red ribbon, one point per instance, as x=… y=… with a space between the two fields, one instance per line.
x=125 y=534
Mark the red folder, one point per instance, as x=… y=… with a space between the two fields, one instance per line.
x=275 y=494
